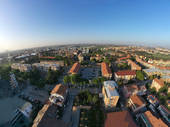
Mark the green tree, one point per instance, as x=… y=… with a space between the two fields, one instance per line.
x=52 y=76
x=153 y=90
x=66 y=79
x=140 y=75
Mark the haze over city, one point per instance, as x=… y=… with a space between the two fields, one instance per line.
x=33 y=23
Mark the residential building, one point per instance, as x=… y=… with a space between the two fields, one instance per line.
x=110 y=94
x=13 y=81
x=75 y=68
x=21 y=114
x=125 y=75
x=124 y=58
x=106 y=71
x=26 y=109
x=136 y=103
x=59 y=62
x=80 y=57
x=119 y=119
x=46 y=67
x=134 y=66
x=133 y=89
x=154 y=71
x=59 y=95
x=153 y=100
x=149 y=120
x=165 y=113
x=21 y=67
x=168 y=103
x=166 y=78
x=48 y=117
x=157 y=84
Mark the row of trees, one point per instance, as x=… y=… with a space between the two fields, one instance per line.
x=86 y=98
x=37 y=77
x=74 y=79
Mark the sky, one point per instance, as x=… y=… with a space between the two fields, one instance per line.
x=33 y=23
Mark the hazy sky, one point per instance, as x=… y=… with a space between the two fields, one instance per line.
x=29 y=23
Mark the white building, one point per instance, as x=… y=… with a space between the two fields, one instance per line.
x=110 y=94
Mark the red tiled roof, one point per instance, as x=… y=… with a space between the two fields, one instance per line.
x=75 y=68
x=123 y=58
x=119 y=119
x=105 y=69
x=48 y=57
x=155 y=122
x=126 y=72
x=137 y=100
x=59 y=89
x=159 y=81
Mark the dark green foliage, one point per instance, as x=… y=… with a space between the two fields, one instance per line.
x=139 y=75
x=52 y=76
x=86 y=98
x=5 y=72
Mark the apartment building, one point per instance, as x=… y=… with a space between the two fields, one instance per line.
x=165 y=113
x=136 y=103
x=106 y=71
x=124 y=58
x=46 y=67
x=157 y=84
x=119 y=119
x=152 y=100
x=21 y=67
x=59 y=62
x=125 y=75
x=48 y=117
x=110 y=94
x=133 y=65
x=133 y=89
x=59 y=95
x=21 y=114
x=75 y=68
x=154 y=71
x=81 y=58
x=149 y=120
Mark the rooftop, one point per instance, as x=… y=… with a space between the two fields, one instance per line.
x=59 y=89
x=159 y=81
x=154 y=121
x=137 y=100
x=105 y=69
x=75 y=68
x=110 y=87
x=125 y=72
x=119 y=119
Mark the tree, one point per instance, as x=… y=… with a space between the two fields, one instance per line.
x=163 y=89
x=66 y=79
x=140 y=75
x=153 y=90
x=52 y=76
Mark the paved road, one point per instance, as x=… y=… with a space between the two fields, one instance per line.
x=75 y=117
x=68 y=110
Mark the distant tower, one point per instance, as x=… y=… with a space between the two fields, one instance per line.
x=13 y=81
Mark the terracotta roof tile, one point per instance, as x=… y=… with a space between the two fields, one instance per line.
x=105 y=69
x=119 y=119
x=159 y=81
x=59 y=89
x=137 y=100
x=75 y=68
x=126 y=72
x=154 y=121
